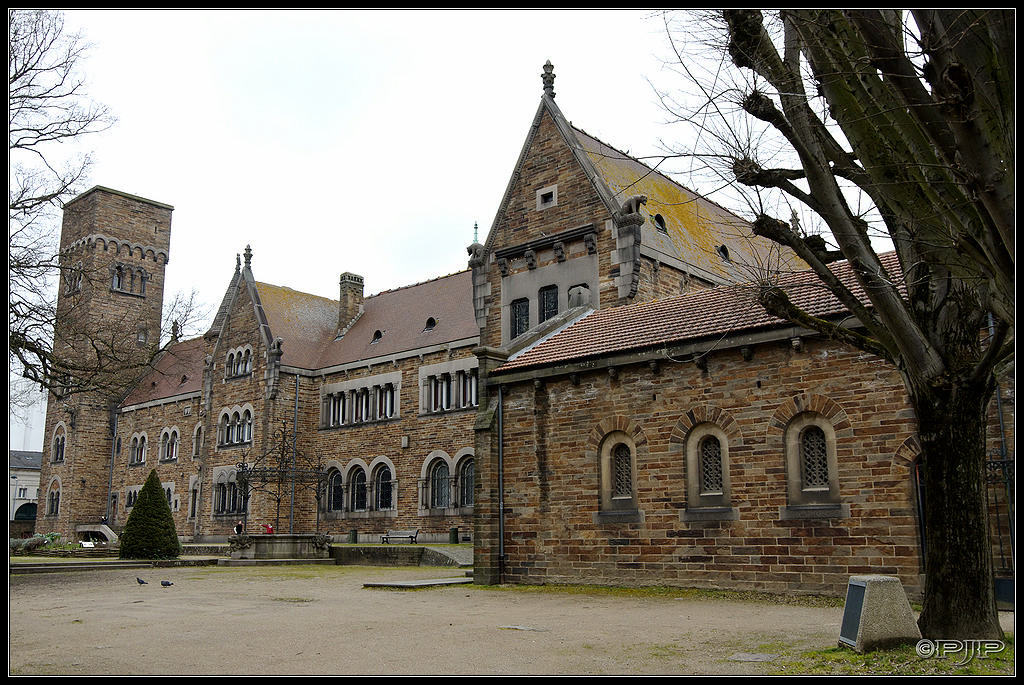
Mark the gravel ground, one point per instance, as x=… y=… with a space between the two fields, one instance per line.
x=321 y=620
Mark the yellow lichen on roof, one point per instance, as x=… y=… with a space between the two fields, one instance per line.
x=305 y=322
x=695 y=228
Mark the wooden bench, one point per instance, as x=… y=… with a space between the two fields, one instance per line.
x=393 y=534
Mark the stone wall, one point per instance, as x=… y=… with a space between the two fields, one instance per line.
x=557 y=532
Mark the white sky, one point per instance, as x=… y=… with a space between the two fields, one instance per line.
x=334 y=141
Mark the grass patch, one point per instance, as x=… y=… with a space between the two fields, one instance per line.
x=902 y=660
x=679 y=593
x=292 y=600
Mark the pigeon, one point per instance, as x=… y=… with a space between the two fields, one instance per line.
x=141 y=581
x=166 y=583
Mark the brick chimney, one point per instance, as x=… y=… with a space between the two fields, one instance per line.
x=350 y=299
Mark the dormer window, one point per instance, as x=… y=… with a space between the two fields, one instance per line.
x=431 y=322
x=377 y=335
x=723 y=252
x=659 y=223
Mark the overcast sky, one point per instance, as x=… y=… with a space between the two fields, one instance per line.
x=334 y=141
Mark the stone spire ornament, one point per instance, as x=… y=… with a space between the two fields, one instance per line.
x=548 y=77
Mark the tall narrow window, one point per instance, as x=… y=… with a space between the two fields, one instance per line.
x=812 y=467
x=814 y=458
x=357 y=489
x=338 y=409
x=710 y=466
x=519 y=321
x=708 y=486
x=466 y=482
x=440 y=486
x=53 y=502
x=547 y=305
x=335 y=491
x=622 y=465
x=59 y=443
x=382 y=488
x=617 y=455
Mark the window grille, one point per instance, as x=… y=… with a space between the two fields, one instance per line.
x=711 y=466
x=357 y=483
x=520 y=322
x=382 y=488
x=814 y=457
x=622 y=463
x=548 y=305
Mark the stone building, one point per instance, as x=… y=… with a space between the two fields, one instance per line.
x=661 y=428
x=595 y=399
x=369 y=401
x=23 y=470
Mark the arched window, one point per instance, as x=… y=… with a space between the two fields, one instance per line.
x=138 y=455
x=622 y=471
x=225 y=429
x=197 y=442
x=708 y=484
x=58 y=445
x=811 y=462
x=228 y=496
x=814 y=457
x=357 y=489
x=169 y=445
x=53 y=500
x=466 y=482
x=382 y=488
x=439 y=485
x=246 y=427
x=617 y=455
x=118 y=280
x=335 y=491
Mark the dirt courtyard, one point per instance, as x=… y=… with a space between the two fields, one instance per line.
x=321 y=620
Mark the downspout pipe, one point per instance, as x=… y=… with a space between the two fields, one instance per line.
x=501 y=486
x=114 y=423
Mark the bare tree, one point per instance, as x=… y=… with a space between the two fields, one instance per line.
x=877 y=123
x=50 y=112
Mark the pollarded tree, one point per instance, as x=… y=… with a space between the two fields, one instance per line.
x=881 y=123
x=149 y=532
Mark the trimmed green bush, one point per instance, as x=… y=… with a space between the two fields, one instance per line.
x=149 y=532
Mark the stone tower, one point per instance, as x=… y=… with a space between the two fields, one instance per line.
x=113 y=255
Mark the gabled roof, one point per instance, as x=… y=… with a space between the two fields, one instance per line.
x=308 y=324
x=695 y=228
x=178 y=371
x=396 y=321
x=710 y=314
x=303 y=321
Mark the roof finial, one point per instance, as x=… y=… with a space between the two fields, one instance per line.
x=248 y=257
x=549 y=79
x=475 y=233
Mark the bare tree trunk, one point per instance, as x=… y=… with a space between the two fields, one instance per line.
x=960 y=595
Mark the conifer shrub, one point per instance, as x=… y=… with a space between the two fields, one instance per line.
x=149 y=532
